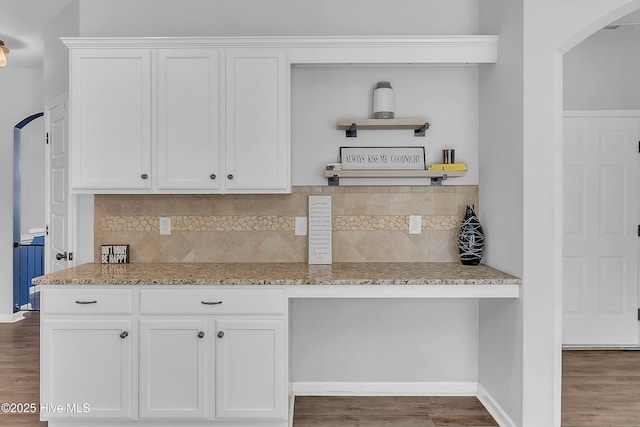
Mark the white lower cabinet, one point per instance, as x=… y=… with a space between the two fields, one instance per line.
x=249 y=369
x=182 y=355
x=86 y=368
x=174 y=361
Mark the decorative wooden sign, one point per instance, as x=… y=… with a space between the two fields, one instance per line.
x=115 y=254
x=389 y=158
x=320 y=251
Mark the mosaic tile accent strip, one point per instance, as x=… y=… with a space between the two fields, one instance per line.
x=393 y=223
x=274 y=223
x=199 y=223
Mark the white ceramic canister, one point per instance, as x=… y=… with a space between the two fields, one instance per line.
x=383 y=101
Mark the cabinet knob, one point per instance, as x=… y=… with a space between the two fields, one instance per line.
x=230 y=176
x=213 y=176
x=220 y=334
x=144 y=176
x=200 y=334
x=124 y=334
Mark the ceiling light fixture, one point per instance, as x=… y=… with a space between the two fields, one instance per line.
x=3 y=51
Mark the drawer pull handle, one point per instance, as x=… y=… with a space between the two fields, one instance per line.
x=210 y=302
x=220 y=334
x=124 y=334
x=87 y=302
x=200 y=334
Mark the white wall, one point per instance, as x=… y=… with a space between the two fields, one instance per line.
x=276 y=17
x=501 y=120
x=601 y=73
x=56 y=54
x=21 y=97
x=551 y=27
x=385 y=340
x=447 y=97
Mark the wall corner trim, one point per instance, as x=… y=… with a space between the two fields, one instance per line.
x=493 y=407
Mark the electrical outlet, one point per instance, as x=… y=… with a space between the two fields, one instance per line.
x=165 y=225
x=415 y=224
x=301 y=226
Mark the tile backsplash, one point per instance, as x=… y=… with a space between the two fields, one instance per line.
x=369 y=224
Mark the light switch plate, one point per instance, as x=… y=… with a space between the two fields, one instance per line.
x=165 y=225
x=301 y=226
x=415 y=224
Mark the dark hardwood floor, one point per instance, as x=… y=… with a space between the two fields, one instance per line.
x=20 y=369
x=601 y=388
x=395 y=411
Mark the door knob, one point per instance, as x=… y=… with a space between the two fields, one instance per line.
x=60 y=256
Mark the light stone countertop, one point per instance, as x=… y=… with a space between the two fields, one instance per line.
x=396 y=273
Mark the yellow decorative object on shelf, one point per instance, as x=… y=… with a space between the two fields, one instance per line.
x=448 y=167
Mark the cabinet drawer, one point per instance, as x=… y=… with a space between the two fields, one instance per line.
x=211 y=301
x=87 y=301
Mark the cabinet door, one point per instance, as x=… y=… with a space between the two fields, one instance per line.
x=257 y=124
x=173 y=368
x=188 y=129
x=110 y=112
x=250 y=381
x=86 y=369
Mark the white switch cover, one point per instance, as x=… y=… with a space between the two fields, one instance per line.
x=415 y=224
x=165 y=225
x=301 y=226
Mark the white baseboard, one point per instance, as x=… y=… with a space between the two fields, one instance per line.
x=384 y=389
x=11 y=318
x=600 y=347
x=492 y=406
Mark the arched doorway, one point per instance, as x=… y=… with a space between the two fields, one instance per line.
x=551 y=28
x=28 y=209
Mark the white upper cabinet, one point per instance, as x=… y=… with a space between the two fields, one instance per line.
x=257 y=143
x=152 y=120
x=110 y=112
x=188 y=119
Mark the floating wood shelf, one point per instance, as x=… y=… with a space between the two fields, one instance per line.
x=351 y=127
x=333 y=176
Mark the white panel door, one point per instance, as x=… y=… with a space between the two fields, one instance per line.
x=257 y=135
x=188 y=122
x=111 y=119
x=59 y=203
x=250 y=369
x=173 y=368
x=600 y=270
x=86 y=368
